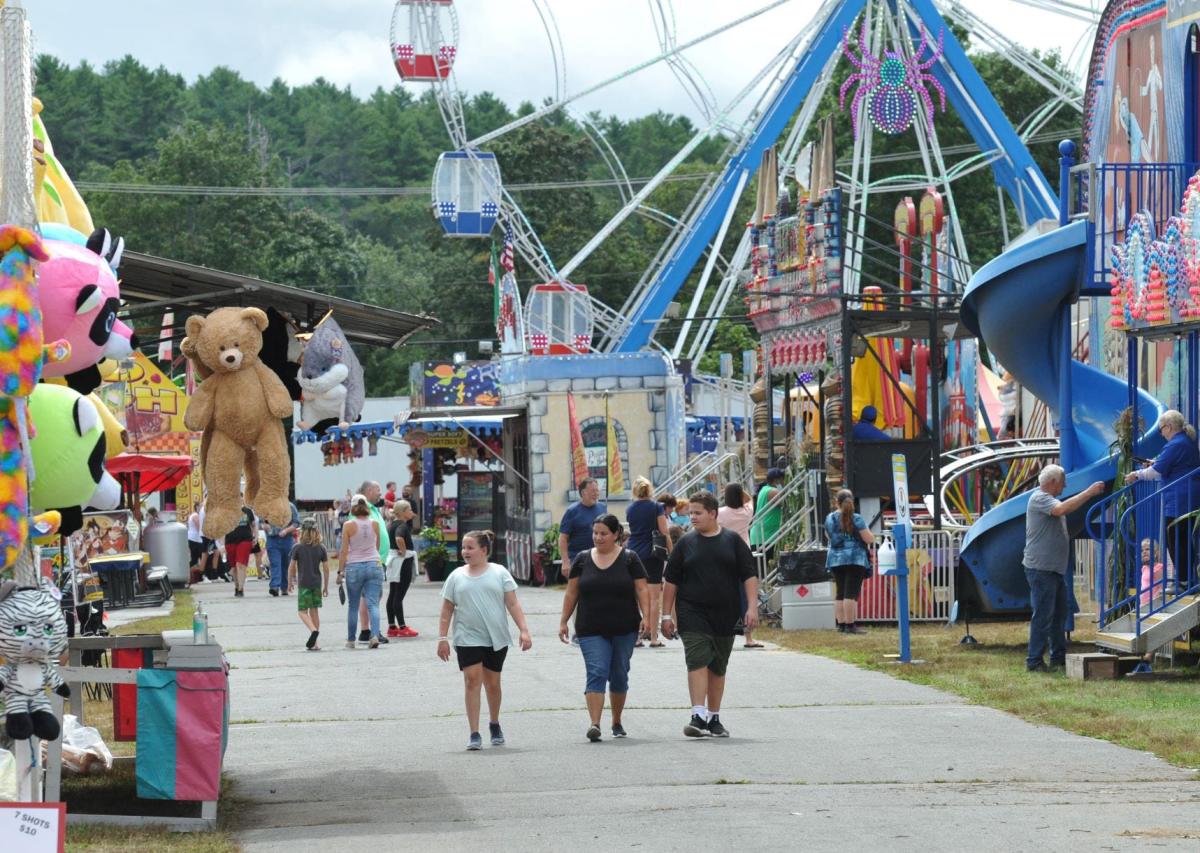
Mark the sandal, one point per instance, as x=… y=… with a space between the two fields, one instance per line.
x=658 y=645
x=639 y=645
x=753 y=646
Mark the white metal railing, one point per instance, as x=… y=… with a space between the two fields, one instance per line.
x=327 y=526
x=932 y=565
x=708 y=472
x=962 y=461
x=1085 y=569
x=685 y=471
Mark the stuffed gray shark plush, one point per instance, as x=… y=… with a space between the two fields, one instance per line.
x=331 y=378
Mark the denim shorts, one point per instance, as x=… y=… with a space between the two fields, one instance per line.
x=607 y=661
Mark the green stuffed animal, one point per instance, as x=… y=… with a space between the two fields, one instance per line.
x=68 y=456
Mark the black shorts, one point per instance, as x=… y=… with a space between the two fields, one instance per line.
x=492 y=659
x=195 y=551
x=848 y=580
x=654 y=569
x=209 y=545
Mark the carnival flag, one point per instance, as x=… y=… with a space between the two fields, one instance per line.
x=578 y=456
x=494 y=276
x=615 y=476
x=165 y=337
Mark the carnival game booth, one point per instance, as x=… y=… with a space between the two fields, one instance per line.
x=454 y=459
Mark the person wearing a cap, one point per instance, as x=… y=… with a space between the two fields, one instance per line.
x=767 y=521
x=865 y=429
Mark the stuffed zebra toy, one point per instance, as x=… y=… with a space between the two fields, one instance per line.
x=33 y=633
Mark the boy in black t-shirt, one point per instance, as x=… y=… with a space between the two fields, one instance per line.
x=701 y=583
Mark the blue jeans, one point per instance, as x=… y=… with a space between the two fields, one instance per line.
x=363 y=579
x=607 y=662
x=1047 y=627
x=279 y=553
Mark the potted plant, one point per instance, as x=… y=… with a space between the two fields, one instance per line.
x=551 y=559
x=435 y=557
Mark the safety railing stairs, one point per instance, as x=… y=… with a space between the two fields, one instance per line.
x=803 y=526
x=685 y=472
x=1141 y=612
x=727 y=462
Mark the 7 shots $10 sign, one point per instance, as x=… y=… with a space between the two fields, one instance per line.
x=32 y=827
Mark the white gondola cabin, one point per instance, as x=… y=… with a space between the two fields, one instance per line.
x=466 y=193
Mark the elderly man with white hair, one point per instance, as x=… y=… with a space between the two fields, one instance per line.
x=1047 y=551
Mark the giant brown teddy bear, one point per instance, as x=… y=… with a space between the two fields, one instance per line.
x=239 y=406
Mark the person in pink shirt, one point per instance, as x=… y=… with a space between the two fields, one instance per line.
x=736 y=515
x=1153 y=575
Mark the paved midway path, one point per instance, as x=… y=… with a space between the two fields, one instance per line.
x=364 y=751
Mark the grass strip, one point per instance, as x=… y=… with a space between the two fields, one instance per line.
x=1157 y=715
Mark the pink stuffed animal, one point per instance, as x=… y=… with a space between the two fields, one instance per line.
x=80 y=299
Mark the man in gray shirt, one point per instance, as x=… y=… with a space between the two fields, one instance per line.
x=1047 y=550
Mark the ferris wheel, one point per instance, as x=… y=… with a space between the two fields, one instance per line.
x=469 y=197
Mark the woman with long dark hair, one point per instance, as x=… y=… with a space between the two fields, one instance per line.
x=848 y=559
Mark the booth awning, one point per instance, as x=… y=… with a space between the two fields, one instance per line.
x=483 y=427
x=153 y=285
x=143 y=473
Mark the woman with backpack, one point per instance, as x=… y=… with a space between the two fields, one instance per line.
x=848 y=560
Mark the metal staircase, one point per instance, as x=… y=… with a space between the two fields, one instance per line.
x=686 y=472
x=1137 y=635
x=1137 y=617
x=803 y=526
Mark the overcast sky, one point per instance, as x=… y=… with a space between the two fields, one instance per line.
x=502 y=46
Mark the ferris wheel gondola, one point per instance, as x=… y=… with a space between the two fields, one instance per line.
x=424 y=39
x=467 y=193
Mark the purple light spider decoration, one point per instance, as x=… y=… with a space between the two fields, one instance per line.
x=888 y=84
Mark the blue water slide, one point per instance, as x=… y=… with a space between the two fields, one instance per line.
x=1015 y=304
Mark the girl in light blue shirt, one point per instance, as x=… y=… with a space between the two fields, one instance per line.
x=480 y=596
